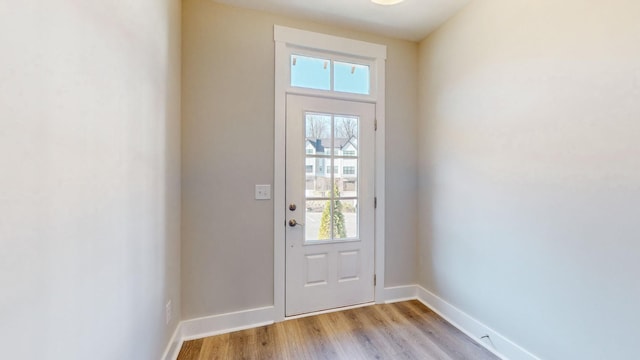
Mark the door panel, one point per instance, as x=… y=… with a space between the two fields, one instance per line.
x=317 y=269
x=330 y=204
x=349 y=265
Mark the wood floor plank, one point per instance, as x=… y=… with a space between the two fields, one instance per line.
x=373 y=344
x=215 y=348
x=241 y=344
x=294 y=340
x=427 y=346
x=406 y=330
x=265 y=346
x=417 y=345
x=318 y=338
x=346 y=342
x=449 y=339
x=190 y=349
x=287 y=343
x=393 y=340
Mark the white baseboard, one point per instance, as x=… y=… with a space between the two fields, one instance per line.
x=224 y=323
x=498 y=344
x=215 y=325
x=246 y=319
x=175 y=343
x=399 y=293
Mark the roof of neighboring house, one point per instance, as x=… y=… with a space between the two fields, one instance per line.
x=339 y=143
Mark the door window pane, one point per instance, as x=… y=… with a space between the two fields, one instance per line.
x=318 y=133
x=313 y=218
x=310 y=72
x=349 y=209
x=331 y=172
x=346 y=135
x=318 y=183
x=330 y=220
x=335 y=170
x=351 y=78
x=347 y=187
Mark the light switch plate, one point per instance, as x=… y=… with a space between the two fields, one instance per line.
x=263 y=192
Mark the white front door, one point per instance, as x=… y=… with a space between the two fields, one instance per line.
x=329 y=204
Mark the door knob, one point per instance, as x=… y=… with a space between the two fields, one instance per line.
x=292 y=207
x=293 y=223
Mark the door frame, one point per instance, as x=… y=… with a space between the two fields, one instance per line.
x=286 y=39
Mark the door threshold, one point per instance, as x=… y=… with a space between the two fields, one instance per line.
x=293 y=317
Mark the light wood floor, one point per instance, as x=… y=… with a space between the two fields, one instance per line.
x=405 y=330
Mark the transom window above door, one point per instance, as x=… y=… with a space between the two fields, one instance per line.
x=324 y=73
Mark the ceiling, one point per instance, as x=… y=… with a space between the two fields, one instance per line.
x=410 y=20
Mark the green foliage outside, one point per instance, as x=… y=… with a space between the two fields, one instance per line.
x=339 y=232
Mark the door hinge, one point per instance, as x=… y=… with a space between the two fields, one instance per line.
x=375 y=202
x=374 y=280
x=375 y=125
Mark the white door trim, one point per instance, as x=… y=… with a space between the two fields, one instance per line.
x=285 y=38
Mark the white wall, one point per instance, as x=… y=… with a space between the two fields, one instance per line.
x=530 y=172
x=228 y=141
x=89 y=184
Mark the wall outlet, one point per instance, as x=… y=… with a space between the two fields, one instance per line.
x=167 y=312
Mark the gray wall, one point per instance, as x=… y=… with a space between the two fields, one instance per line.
x=228 y=109
x=530 y=172
x=90 y=178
